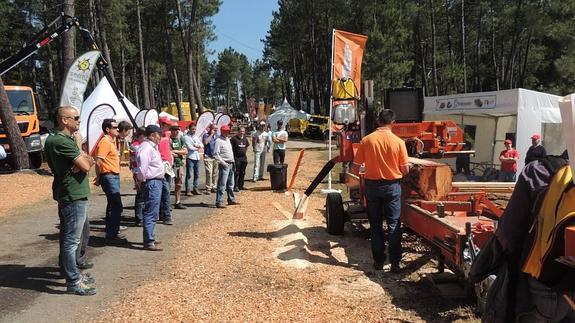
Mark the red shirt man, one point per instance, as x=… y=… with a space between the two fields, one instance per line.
x=508 y=159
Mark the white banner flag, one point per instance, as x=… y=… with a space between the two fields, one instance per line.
x=567 y=107
x=77 y=79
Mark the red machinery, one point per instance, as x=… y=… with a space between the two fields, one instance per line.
x=457 y=223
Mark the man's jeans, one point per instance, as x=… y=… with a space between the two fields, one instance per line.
x=151 y=194
x=259 y=164
x=506 y=176
x=549 y=305
x=384 y=200
x=111 y=186
x=211 y=173
x=225 y=183
x=72 y=218
x=192 y=165
x=165 y=209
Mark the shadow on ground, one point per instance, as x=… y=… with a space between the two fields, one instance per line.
x=42 y=279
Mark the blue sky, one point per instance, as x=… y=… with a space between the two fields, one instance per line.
x=241 y=24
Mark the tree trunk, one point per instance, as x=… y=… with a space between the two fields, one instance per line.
x=525 y=58
x=68 y=40
x=433 y=48
x=507 y=79
x=479 y=28
x=104 y=43
x=145 y=92
x=171 y=72
x=17 y=144
x=463 y=52
x=493 y=56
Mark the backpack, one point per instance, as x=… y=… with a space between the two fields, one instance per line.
x=546 y=236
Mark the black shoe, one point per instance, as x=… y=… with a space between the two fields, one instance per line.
x=207 y=192
x=195 y=192
x=234 y=203
x=395 y=268
x=377 y=266
x=236 y=189
x=86 y=265
x=262 y=179
x=116 y=241
x=219 y=206
x=179 y=206
x=168 y=222
x=187 y=193
x=213 y=190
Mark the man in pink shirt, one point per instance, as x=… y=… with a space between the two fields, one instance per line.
x=150 y=178
x=165 y=149
x=508 y=159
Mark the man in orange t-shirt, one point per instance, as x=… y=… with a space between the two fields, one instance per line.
x=508 y=159
x=108 y=176
x=385 y=160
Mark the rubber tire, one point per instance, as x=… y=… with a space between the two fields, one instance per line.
x=35 y=159
x=335 y=214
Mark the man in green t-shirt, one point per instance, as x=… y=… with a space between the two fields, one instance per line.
x=70 y=166
x=178 y=151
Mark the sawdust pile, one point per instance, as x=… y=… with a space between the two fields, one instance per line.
x=252 y=263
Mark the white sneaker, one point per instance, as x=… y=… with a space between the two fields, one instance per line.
x=123 y=228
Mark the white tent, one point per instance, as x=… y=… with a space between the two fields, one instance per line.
x=285 y=112
x=497 y=115
x=101 y=104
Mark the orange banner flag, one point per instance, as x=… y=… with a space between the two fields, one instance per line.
x=347 y=56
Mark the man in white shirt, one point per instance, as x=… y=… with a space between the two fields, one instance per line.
x=224 y=155
x=261 y=144
x=279 y=138
x=193 y=144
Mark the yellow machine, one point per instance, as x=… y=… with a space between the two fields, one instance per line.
x=318 y=127
x=297 y=127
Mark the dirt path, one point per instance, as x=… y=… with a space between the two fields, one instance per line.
x=249 y=262
x=30 y=287
x=256 y=264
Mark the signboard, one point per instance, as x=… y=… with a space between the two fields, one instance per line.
x=466 y=103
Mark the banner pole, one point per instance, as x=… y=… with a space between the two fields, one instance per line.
x=330 y=104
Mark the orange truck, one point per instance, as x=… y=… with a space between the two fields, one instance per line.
x=25 y=105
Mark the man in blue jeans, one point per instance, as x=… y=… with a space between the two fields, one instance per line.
x=150 y=179
x=108 y=176
x=70 y=189
x=193 y=144
x=223 y=154
x=385 y=160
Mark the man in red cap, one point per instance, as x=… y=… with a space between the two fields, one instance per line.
x=224 y=155
x=508 y=159
x=536 y=151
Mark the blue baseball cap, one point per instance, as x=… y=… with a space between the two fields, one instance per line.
x=150 y=129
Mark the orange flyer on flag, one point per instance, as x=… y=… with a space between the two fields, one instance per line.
x=347 y=56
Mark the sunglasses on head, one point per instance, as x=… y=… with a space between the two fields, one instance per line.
x=76 y=118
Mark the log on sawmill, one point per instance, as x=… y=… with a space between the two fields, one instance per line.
x=429 y=179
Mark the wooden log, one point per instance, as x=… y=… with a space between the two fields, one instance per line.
x=429 y=179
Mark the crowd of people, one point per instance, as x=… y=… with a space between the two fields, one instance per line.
x=162 y=158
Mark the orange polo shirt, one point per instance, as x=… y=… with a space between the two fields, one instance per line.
x=383 y=153
x=108 y=153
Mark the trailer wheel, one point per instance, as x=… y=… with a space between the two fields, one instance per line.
x=35 y=159
x=334 y=214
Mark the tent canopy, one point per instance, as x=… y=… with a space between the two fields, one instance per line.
x=285 y=113
x=531 y=109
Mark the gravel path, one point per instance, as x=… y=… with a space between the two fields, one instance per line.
x=249 y=262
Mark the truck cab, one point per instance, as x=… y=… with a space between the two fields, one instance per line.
x=25 y=107
x=318 y=127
